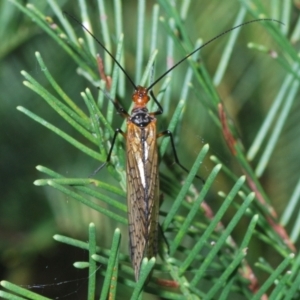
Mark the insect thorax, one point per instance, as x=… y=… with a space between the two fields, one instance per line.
x=141 y=117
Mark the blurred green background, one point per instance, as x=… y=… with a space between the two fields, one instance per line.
x=30 y=215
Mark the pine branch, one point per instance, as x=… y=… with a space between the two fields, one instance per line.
x=201 y=258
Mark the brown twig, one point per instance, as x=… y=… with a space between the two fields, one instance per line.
x=230 y=140
x=103 y=76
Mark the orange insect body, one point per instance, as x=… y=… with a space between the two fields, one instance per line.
x=142 y=181
x=142 y=176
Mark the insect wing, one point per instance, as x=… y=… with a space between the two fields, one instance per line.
x=142 y=192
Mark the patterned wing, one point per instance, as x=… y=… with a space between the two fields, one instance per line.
x=142 y=192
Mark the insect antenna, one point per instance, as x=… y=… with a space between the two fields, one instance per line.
x=103 y=47
x=205 y=44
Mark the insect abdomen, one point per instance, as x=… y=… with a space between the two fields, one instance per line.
x=142 y=192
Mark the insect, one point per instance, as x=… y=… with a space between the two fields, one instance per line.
x=142 y=161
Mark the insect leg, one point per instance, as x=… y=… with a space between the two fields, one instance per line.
x=160 y=109
x=117 y=131
x=170 y=135
x=120 y=109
